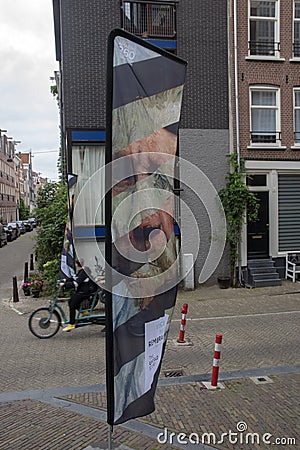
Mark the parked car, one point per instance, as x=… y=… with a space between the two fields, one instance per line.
x=28 y=225
x=33 y=221
x=21 y=225
x=3 y=237
x=10 y=234
x=15 y=227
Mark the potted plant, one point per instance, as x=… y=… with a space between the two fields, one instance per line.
x=26 y=288
x=36 y=287
x=33 y=285
x=224 y=282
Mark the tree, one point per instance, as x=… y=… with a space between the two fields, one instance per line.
x=237 y=200
x=51 y=215
x=23 y=210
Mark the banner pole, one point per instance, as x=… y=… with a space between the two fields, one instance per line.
x=110 y=441
x=108 y=238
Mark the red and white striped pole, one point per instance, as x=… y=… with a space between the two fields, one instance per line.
x=215 y=369
x=183 y=323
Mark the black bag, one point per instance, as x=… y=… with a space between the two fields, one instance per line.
x=93 y=287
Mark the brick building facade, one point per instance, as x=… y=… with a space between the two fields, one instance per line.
x=9 y=196
x=267 y=136
x=16 y=180
x=198 y=34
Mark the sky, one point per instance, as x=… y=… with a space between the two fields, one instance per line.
x=28 y=111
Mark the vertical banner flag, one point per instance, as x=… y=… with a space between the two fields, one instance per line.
x=67 y=262
x=145 y=87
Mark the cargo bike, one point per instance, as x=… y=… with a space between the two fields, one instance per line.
x=45 y=322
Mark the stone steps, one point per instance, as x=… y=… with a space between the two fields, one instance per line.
x=262 y=273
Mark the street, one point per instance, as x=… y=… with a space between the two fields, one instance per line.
x=12 y=259
x=250 y=340
x=259 y=329
x=260 y=335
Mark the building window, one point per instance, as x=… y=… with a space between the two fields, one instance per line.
x=149 y=19
x=265 y=116
x=256 y=180
x=296 y=43
x=263 y=28
x=86 y=160
x=297 y=116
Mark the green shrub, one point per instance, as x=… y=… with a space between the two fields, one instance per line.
x=51 y=273
x=51 y=214
x=237 y=200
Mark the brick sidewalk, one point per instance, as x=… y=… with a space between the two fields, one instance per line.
x=76 y=421
x=268 y=407
x=265 y=411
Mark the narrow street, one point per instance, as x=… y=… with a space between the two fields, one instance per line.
x=12 y=259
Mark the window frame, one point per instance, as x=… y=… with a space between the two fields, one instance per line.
x=85 y=170
x=277 y=131
x=276 y=40
x=138 y=17
x=295 y=90
x=295 y=20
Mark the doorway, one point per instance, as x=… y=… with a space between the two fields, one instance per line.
x=258 y=232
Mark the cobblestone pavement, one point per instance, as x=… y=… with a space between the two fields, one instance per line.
x=52 y=395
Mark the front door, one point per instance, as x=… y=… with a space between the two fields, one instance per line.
x=258 y=232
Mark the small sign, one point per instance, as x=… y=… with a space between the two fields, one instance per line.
x=154 y=339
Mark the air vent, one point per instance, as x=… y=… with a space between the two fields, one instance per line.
x=261 y=380
x=173 y=373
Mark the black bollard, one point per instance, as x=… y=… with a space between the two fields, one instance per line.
x=31 y=262
x=25 y=272
x=15 y=290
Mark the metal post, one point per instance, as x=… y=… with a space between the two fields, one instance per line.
x=25 y=272
x=215 y=369
x=31 y=262
x=184 y=310
x=110 y=440
x=15 y=290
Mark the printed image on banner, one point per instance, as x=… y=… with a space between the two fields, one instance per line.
x=147 y=97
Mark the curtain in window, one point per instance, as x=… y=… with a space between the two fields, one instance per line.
x=86 y=160
x=297 y=117
x=297 y=30
x=263 y=9
x=262 y=32
x=263 y=119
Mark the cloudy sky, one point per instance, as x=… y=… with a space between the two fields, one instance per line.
x=28 y=111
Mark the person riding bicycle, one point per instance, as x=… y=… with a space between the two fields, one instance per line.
x=82 y=284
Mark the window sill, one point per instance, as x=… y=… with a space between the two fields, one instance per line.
x=294 y=60
x=266 y=147
x=264 y=58
x=295 y=147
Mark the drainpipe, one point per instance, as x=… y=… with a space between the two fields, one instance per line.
x=237 y=115
x=236 y=80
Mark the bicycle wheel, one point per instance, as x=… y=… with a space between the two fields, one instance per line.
x=43 y=324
